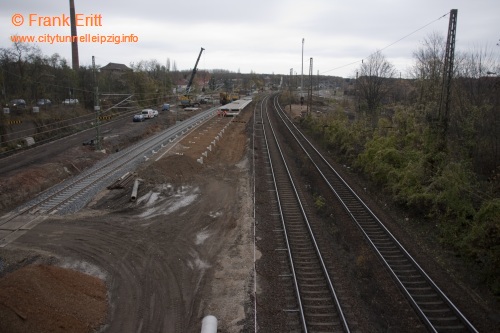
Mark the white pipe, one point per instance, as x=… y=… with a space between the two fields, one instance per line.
x=134 y=190
x=209 y=324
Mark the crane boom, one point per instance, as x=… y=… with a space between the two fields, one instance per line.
x=188 y=88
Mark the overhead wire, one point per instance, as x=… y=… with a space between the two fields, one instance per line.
x=150 y=104
x=120 y=116
x=50 y=127
x=386 y=47
x=68 y=119
x=71 y=125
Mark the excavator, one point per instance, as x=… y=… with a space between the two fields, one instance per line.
x=187 y=100
x=228 y=97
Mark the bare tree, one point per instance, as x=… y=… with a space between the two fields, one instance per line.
x=373 y=82
x=473 y=130
x=16 y=61
x=428 y=68
x=474 y=121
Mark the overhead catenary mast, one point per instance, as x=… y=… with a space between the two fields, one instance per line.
x=302 y=71
x=444 y=106
x=310 y=89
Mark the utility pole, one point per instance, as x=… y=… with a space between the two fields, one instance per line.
x=302 y=71
x=97 y=108
x=4 y=98
x=357 y=93
x=310 y=93
x=290 y=88
x=317 y=87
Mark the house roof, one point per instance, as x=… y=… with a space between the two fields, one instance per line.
x=112 y=66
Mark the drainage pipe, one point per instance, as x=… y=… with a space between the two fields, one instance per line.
x=133 y=197
x=209 y=324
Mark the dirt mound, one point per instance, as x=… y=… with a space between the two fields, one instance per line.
x=52 y=298
x=174 y=169
x=23 y=185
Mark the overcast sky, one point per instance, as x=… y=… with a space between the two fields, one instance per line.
x=263 y=36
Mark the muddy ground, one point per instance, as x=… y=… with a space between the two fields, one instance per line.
x=183 y=250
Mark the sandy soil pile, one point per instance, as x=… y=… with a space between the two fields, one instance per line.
x=174 y=169
x=38 y=297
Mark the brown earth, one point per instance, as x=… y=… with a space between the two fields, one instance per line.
x=30 y=296
x=183 y=250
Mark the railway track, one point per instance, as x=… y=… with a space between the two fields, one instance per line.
x=74 y=194
x=434 y=308
x=317 y=306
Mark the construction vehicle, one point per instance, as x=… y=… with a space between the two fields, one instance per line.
x=226 y=97
x=187 y=100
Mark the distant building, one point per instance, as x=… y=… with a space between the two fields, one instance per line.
x=113 y=78
x=113 y=67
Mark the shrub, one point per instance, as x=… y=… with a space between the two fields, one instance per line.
x=381 y=160
x=482 y=242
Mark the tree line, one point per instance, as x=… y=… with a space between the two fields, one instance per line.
x=26 y=73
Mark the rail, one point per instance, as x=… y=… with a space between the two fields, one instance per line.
x=317 y=302
x=74 y=193
x=434 y=308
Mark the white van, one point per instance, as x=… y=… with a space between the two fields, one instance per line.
x=148 y=113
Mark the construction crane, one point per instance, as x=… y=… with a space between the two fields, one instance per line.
x=186 y=100
x=188 y=88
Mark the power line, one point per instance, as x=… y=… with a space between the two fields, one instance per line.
x=397 y=41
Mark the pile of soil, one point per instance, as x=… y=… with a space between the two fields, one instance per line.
x=36 y=298
x=172 y=169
